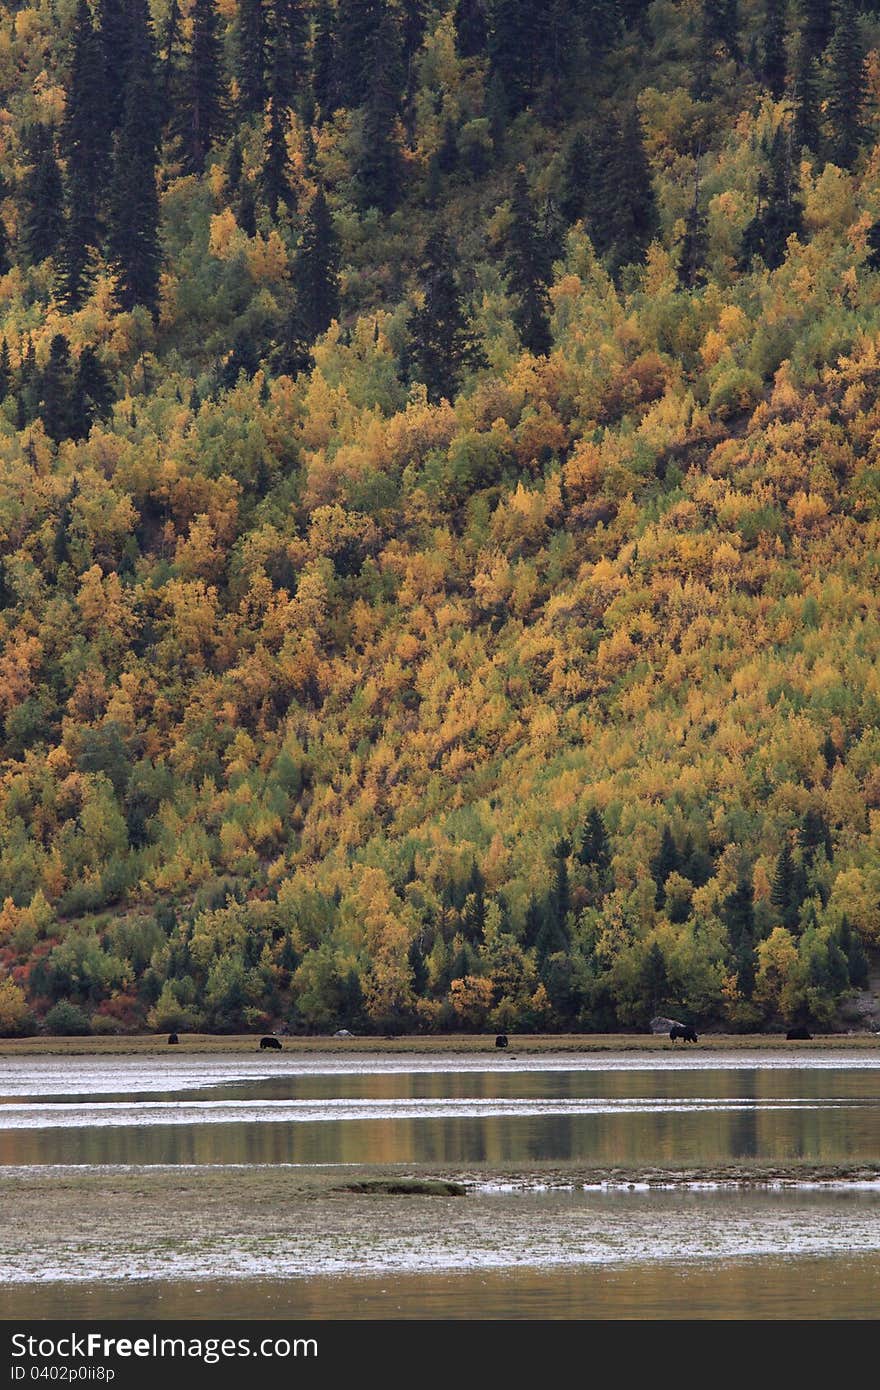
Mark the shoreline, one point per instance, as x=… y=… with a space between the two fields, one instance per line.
x=528 y=1045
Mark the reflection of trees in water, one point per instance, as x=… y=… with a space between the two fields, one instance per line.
x=818 y=1131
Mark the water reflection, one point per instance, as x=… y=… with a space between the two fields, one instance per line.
x=656 y=1116
x=834 y=1286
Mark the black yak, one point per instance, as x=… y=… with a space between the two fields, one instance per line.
x=501 y=1040
x=173 y=1038
x=687 y=1034
x=269 y=1042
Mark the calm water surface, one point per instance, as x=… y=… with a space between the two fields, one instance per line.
x=707 y=1252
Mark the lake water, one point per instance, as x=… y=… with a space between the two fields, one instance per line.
x=176 y=1186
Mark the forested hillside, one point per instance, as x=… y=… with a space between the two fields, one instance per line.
x=439 y=500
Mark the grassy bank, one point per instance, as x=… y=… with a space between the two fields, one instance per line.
x=456 y=1043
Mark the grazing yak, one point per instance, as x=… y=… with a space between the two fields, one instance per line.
x=501 y=1040
x=270 y=1042
x=799 y=1035
x=173 y=1038
x=686 y=1034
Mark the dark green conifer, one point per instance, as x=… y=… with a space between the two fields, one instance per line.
x=357 y=26
x=654 y=980
x=250 y=58
x=779 y=212
x=528 y=270
x=5 y=255
x=773 y=54
x=595 y=847
x=324 y=59
x=43 y=198
x=817 y=25
x=85 y=143
x=693 y=244
x=379 y=164
x=91 y=394
x=56 y=394
x=275 y=182
x=133 y=219
x=578 y=191
x=628 y=194
x=288 y=30
x=5 y=370
x=115 y=30
x=665 y=862
x=170 y=44
x=471 y=27
x=805 y=98
x=202 y=109
x=783 y=893
x=443 y=345
x=514 y=44
x=316 y=271
x=847 y=87
x=872 y=262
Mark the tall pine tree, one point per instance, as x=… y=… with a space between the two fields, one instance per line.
x=85 y=143
x=443 y=345
x=43 y=197
x=202 y=107
x=379 y=163
x=528 y=269
x=773 y=55
x=133 y=221
x=316 y=271
x=847 y=87
x=250 y=57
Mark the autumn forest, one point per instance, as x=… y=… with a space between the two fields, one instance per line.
x=439 y=514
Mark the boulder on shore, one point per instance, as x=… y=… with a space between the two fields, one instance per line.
x=663 y=1025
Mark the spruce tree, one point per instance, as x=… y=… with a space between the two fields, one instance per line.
x=5 y=370
x=288 y=30
x=379 y=164
x=872 y=262
x=654 y=979
x=202 y=109
x=85 y=143
x=779 y=212
x=170 y=42
x=43 y=198
x=275 y=174
x=324 y=59
x=316 y=271
x=665 y=862
x=847 y=87
x=559 y=60
x=471 y=27
x=91 y=394
x=115 y=30
x=86 y=134
x=773 y=55
x=56 y=394
x=595 y=847
x=628 y=195
x=443 y=345
x=783 y=893
x=693 y=244
x=805 y=98
x=357 y=27
x=514 y=45
x=528 y=270
x=250 y=58
x=817 y=25
x=5 y=255
x=578 y=191
x=133 y=220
